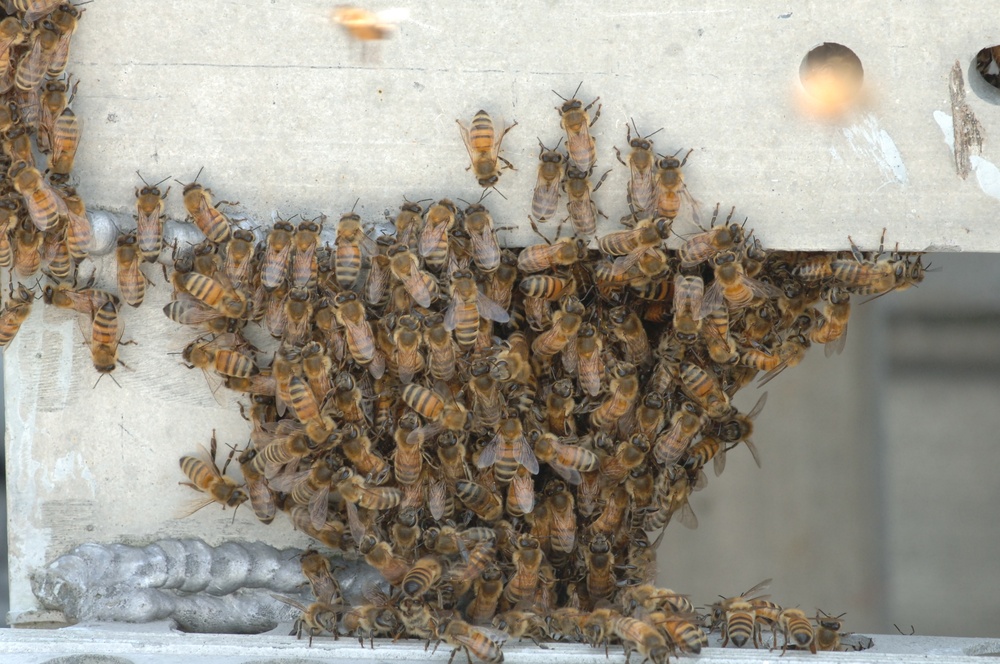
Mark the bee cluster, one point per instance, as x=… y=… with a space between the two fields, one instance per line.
x=496 y=431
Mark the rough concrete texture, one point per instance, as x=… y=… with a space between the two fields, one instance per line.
x=286 y=115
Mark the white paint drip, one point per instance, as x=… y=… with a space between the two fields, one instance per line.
x=987 y=173
x=835 y=155
x=869 y=140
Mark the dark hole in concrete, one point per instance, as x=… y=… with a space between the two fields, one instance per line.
x=831 y=75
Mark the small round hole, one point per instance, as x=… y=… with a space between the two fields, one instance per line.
x=831 y=75
x=984 y=75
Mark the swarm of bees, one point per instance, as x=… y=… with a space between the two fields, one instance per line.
x=498 y=432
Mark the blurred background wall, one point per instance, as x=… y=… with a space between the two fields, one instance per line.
x=878 y=490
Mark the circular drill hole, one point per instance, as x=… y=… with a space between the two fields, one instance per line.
x=831 y=74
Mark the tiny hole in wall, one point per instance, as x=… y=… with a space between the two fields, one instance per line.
x=985 y=79
x=831 y=75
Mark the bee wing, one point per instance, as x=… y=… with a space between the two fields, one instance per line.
x=468 y=639
x=759 y=406
x=468 y=146
x=642 y=187
x=713 y=300
x=761 y=289
x=525 y=455
x=836 y=345
x=571 y=475
x=318 y=507
x=289 y=601
x=623 y=264
x=686 y=516
x=693 y=208
x=193 y=507
x=488 y=455
x=437 y=497
x=131 y=282
x=287 y=480
x=719 y=462
x=545 y=200
x=491 y=310
x=451 y=315
x=523 y=490
x=772 y=374
x=753 y=451
x=354 y=521
x=426 y=431
x=420 y=286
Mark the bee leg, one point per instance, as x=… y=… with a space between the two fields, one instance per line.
x=509 y=165
x=597 y=113
x=685 y=159
x=601 y=181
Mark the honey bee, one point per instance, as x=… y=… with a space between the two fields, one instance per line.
x=487 y=405
x=433 y=243
x=738 y=429
x=790 y=353
x=828 y=631
x=521 y=493
x=468 y=305
x=581 y=207
x=737 y=616
x=230 y=302
x=674 y=488
x=364 y=25
x=208 y=479
x=409 y=223
x=546 y=287
x=642 y=184
x=577 y=123
x=486 y=591
x=316 y=619
x=562 y=508
x=562 y=253
x=623 y=392
x=689 y=293
x=43 y=204
x=14 y=313
x=704 y=389
x=442 y=349
x=650 y=415
x=684 y=426
x=206 y=216
x=545 y=198
x=351 y=315
x=704 y=246
x=600 y=563
x=527 y=561
x=628 y=329
x=612 y=516
x=732 y=287
x=417 y=618
x=720 y=345
x=486 y=505
x=508 y=450
x=565 y=325
x=65 y=20
x=55 y=255
x=149 y=204
x=239 y=258
x=85 y=300
x=274 y=267
x=682 y=632
x=629 y=246
x=442 y=415
x=485 y=643
x=260 y=496
x=408 y=456
x=831 y=328
x=483 y=238
x=483 y=144
x=627 y=456
x=590 y=367
x=381 y=556
x=422 y=576
x=131 y=280
x=377 y=618
x=797 y=630
x=31 y=68
x=421 y=286
x=451 y=455
x=670 y=188
x=359 y=450
x=106 y=332
x=65 y=141
x=52 y=103
x=354 y=490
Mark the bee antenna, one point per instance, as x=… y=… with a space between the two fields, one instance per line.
x=199 y=173
x=355 y=203
x=142 y=178
x=559 y=95
x=577 y=89
x=500 y=193
x=654 y=133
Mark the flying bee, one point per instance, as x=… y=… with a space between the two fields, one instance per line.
x=737 y=615
x=274 y=267
x=508 y=450
x=483 y=144
x=577 y=123
x=561 y=253
x=732 y=287
x=208 y=479
x=421 y=286
x=545 y=198
x=64 y=143
x=485 y=504
x=483 y=238
x=149 y=205
x=671 y=191
x=442 y=348
x=704 y=389
x=483 y=642
x=14 y=313
x=689 y=293
x=643 y=181
x=43 y=204
x=581 y=207
x=31 y=68
x=206 y=216
x=684 y=426
x=623 y=392
x=468 y=305
x=131 y=280
x=704 y=246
